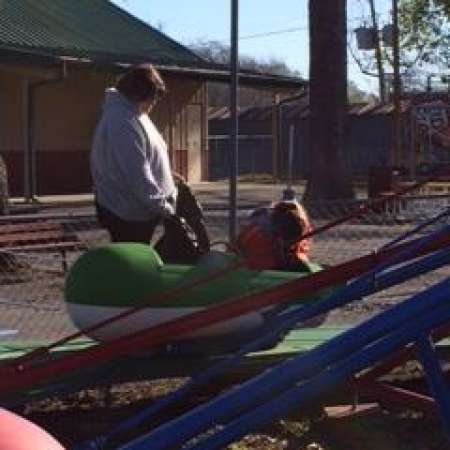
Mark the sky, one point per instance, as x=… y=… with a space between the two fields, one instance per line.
x=267 y=28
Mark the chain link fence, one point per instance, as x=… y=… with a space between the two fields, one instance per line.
x=255 y=156
x=429 y=136
x=32 y=305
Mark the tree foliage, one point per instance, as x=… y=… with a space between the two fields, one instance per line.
x=445 y=5
x=424 y=43
x=218 y=93
x=219 y=53
x=425 y=31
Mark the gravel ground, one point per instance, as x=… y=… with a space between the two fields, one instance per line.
x=87 y=415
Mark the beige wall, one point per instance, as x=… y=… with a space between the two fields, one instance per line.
x=66 y=112
x=178 y=117
x=65 y=117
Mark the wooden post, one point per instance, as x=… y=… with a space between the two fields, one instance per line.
x=275 y=135
x=204 y=151
x=171 y=133
x=26 y=140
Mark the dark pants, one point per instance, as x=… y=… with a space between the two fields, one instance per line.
x=126 y=231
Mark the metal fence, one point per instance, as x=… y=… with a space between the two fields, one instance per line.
x=255 y=155
x=368 y=142
x=31 y=283
x=429 y=136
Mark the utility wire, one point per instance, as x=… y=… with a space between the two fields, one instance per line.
x=287 y=30
x=271 y=33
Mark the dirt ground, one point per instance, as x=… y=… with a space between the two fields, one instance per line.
x=86 y=415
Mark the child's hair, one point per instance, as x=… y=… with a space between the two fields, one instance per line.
x=287 y=222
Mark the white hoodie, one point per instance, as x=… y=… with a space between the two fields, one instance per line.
x=129 y=162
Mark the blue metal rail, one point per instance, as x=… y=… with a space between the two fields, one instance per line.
x=436 y=379
x=333 y=376
x=280 y=378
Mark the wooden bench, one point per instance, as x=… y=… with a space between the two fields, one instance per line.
x=44 y=236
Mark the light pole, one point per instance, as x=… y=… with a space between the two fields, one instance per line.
x=234 y=130
x=397 y=88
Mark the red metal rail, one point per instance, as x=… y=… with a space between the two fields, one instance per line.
x=367 y=382
x=388 y=394
x=399 y=358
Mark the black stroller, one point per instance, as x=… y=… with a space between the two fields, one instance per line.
x=185 y=238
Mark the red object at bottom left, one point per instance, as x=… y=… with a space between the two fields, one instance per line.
x=17 y=433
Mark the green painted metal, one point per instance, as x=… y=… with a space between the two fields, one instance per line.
x=297 y=341
x=127 y=275
x=94 y=29
x=15 y=348
x=304 y=339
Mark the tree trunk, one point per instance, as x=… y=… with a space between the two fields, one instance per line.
x=329 y=176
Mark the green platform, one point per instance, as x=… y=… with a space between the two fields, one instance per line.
x=296 y=341
x=140 y=367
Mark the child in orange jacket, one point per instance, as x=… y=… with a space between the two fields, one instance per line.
x=273 y=239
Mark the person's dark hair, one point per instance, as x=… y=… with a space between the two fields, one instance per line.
x=287 y=222
x=141 y=83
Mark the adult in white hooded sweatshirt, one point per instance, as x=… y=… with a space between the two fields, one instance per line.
x=133 y=183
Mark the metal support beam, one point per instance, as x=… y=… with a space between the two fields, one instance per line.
x=234 y=130
x=30 y=169
x=397 y=126
x=276 y=134
x=436 y=379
